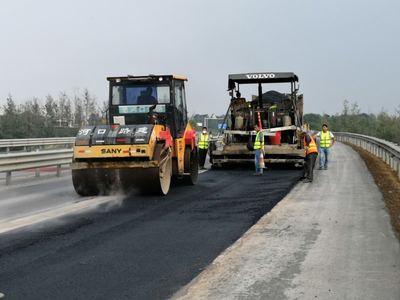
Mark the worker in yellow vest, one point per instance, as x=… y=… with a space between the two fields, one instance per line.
x=258 y=148
x=326 y=142
x=311 y=149
x=203 y=141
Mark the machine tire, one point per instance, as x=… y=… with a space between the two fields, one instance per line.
x=191 y=165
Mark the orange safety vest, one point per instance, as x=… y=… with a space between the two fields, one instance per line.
x=312 y=147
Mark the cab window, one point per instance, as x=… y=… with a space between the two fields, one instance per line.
x=180 y=100
x=140 y=95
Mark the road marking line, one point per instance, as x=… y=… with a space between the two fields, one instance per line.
x=51 y=214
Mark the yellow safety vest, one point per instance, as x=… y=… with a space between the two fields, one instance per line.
x=203 y=143
x=312 y=147
x=257 y=143
x=325 y=139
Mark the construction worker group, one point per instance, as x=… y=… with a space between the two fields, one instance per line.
x=327 y=140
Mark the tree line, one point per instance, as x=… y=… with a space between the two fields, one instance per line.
x=381 y=125
x=51 y=117
x=64 y=115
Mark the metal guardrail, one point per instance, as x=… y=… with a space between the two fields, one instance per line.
x=38 y=143
x=11 y=161
x=387 y=151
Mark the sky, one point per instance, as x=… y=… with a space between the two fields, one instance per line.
x=340 y=50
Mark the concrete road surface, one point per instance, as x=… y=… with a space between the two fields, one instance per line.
x=330 y=239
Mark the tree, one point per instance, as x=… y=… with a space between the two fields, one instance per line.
x=104 y=112
x=314 y=121
x=344 y=120
x=385 y=126
x=9 y=120
x=65 y=113
x=192 y=121
x=51 y=116
x=89 y=108
x=79 y=117
x=31 y=120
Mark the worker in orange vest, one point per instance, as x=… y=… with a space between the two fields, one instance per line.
x=311 y=156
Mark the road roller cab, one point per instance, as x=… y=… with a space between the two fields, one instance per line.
x=147 y=139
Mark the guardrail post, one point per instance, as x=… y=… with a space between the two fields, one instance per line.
x=8 y=178
x=37 y=172
x=58 y=170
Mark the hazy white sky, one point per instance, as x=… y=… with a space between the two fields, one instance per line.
x=343 y=49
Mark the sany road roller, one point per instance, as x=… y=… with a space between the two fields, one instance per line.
x=147 y=139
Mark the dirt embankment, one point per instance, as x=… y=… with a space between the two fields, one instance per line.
x=387 y=181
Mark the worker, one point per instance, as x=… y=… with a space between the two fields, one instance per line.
x=311 y=156
x=326 y=142
x=203 y=139
x=146 y=97
x=259 y=148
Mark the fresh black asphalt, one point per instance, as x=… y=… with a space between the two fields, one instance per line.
x=144 y=248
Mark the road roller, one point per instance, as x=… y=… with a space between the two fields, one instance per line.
x=146 y=140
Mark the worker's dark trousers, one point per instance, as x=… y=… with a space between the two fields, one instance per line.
x=202 y=156
x=309 y=165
